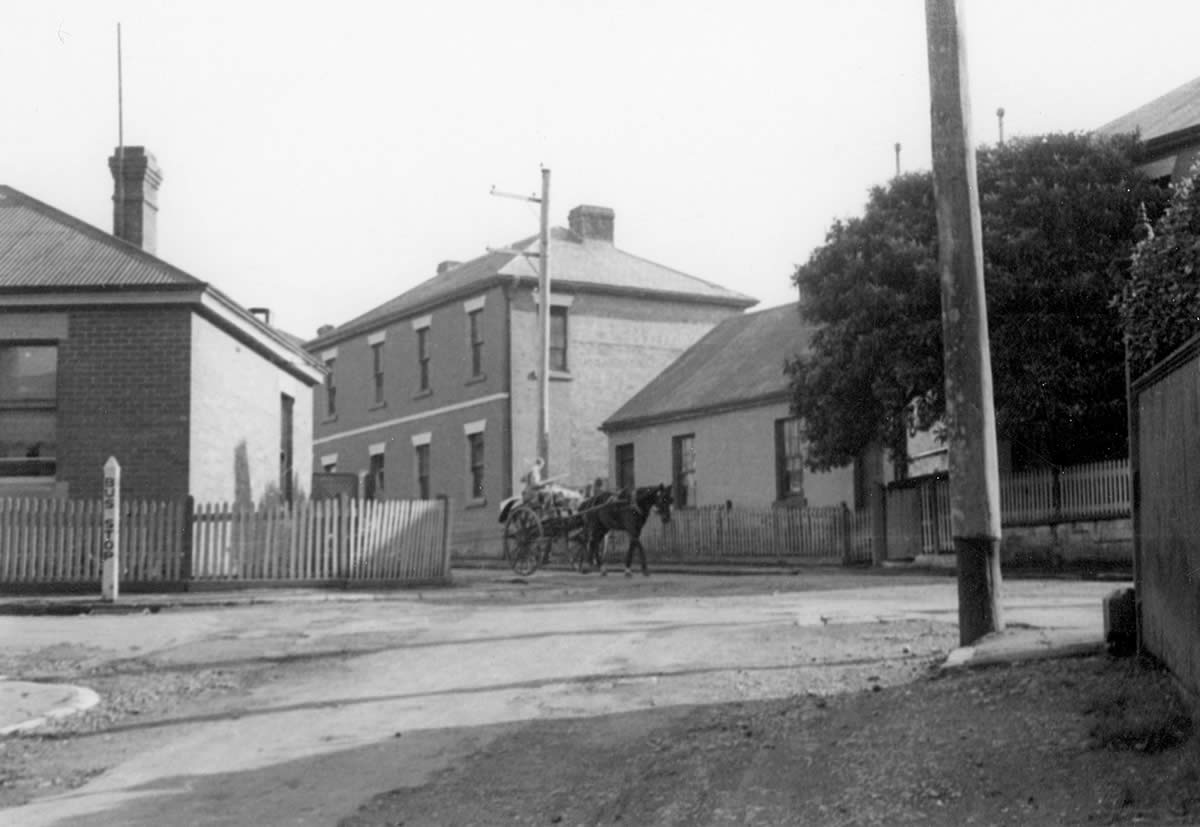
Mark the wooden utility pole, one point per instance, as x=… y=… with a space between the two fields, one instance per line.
x=543 y=256
x=970 y=415
x=544 y=318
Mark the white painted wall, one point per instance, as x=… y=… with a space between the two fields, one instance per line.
x=235 y=419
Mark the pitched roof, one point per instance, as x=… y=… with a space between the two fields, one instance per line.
x=738 y=364
x=43 y=248
x=1173 y=112
x=575 y=262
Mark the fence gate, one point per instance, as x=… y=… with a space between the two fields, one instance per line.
x=918 y=517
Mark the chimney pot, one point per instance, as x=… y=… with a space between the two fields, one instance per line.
x=136 y=179
x=592 y=223
x=323 y=329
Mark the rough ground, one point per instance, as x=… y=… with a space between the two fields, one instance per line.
x=1081 y=741
x=862 y=729
x=66 y=753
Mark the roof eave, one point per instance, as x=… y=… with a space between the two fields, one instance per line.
x=615 y=425
x=500 y=279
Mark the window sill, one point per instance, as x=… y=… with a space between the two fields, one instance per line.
x=561 y=376
x=378 y=406
x=478 y=502
x=329 y=419
x=475 y=380
x=423 y=394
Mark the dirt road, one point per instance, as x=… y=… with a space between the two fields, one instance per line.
x=351 y=699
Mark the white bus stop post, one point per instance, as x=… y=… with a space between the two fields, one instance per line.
x=111 y=550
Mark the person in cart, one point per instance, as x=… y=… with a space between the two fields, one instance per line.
x=547 y=491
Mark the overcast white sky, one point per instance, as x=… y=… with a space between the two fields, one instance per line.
x=322 y=158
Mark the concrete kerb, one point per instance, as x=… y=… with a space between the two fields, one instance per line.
x=1013 y=646
x=25 y=705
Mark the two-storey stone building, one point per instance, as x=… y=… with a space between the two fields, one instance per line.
x=436 y=392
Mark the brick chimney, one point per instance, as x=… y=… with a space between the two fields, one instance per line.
x=592 y=223
x=136 y=178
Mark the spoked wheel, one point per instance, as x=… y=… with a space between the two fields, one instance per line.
x=523 y=541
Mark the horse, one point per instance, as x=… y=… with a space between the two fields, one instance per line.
x=624 y=511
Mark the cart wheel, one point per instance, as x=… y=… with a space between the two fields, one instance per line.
x=523 y=541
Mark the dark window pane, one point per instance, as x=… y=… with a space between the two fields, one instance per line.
x=28 y=443
x=558 y=338
x=28 y=373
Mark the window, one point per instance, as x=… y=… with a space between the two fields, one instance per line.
x=28 y=410
x=377 y=367
x=475 y=323
x=475 y=453
x=422 y=452
x=423 y=359
x=625 y=466
x=683 y=468
x=558 y=338
x=375 y=486
x=789 y=459
x=330 y=389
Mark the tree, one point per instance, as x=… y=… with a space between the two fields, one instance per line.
x=1160 y=305
x=1058 y=215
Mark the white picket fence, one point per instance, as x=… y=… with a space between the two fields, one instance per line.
x=1098 y=490
x=51 y=542
x=351 y=540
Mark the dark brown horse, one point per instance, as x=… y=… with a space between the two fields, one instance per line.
x=622 y=511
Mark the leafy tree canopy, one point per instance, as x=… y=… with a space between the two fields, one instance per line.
x=1058 y=212
x=1160 y=305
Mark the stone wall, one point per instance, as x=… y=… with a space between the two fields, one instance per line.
x=1099 y=543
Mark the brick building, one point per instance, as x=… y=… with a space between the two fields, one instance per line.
x=436 y=391
x=106 y=350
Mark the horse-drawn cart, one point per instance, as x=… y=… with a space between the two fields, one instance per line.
x=537 y=521
x=535 y=524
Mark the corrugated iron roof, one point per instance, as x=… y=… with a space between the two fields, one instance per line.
x=581 y=263
x=1177 y=110
x=737 y=364
x=41 y=248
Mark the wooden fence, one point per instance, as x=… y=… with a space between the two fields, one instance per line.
x=1098 y=490
x=59 y=541
x=173 y=545
x=918 y=510
x=322 y=540
x=833 y=534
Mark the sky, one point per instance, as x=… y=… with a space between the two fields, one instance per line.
x=319 y=159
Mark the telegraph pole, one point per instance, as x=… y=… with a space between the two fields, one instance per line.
x=544 y=318
x=970 y=415
x=543 y=256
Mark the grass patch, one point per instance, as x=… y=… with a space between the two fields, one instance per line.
x=1142 y=712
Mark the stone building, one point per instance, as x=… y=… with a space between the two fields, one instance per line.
x=436 y=392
